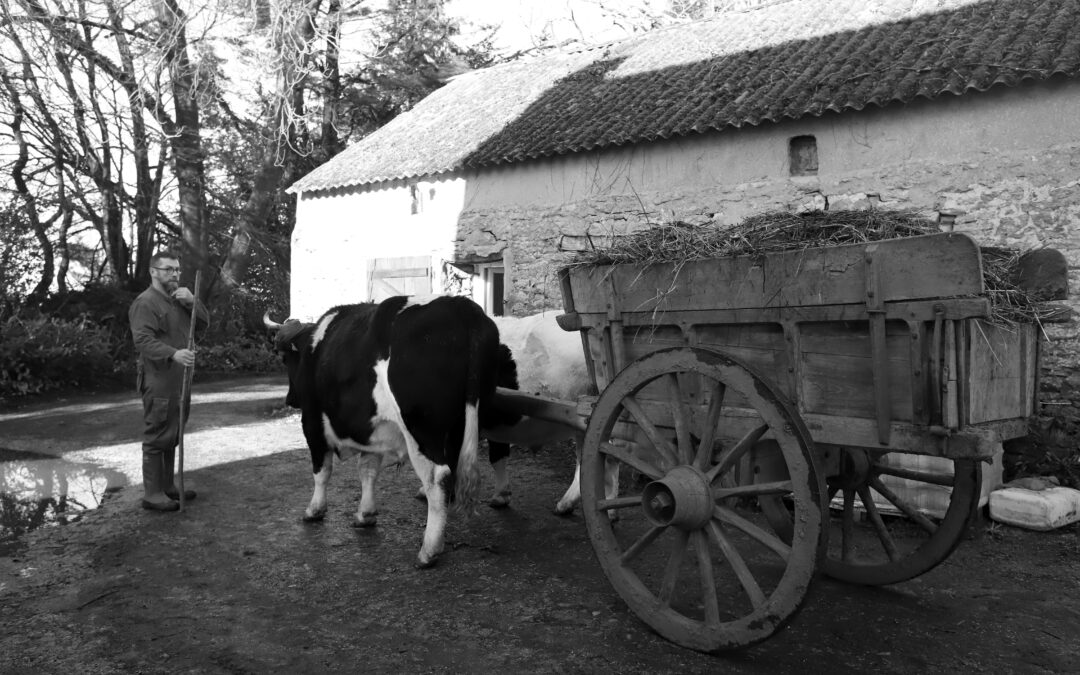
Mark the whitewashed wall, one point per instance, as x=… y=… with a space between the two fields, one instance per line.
x=337 y=234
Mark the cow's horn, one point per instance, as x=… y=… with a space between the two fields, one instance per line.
x=270 y=323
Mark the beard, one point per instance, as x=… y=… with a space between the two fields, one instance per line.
x=171 y=285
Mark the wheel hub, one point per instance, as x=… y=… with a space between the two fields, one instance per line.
x=854 y=470
x=682 y=498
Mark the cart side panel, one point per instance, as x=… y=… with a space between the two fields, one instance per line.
x=837 y=369
x=912 y=268
x=761 y=346
x=1001 y=371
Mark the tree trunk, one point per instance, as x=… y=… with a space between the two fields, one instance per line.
x=278 y=153
x=29 y=201
x=188 y=160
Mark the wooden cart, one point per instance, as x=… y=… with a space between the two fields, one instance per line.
x=764 y=409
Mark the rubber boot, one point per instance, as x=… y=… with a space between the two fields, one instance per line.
x=154 y=497
x=168 y=477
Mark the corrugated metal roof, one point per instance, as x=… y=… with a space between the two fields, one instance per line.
x=783 y=61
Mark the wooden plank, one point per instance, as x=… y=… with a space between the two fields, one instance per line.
x=920 y=413
x=401 y=272
x=913 y=268
x=793 y=387
x=875 y=307
x=843 y=386
x=974 y=442
x=950 y=397
x=1001 y=367
x=952 y=308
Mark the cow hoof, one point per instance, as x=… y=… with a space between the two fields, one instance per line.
x=421 y=495
x=421 y=565
x=500 y=501
x=564 y=511
x=314 y=517
x=366 y=520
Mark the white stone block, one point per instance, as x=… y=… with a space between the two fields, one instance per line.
x=1035 y=509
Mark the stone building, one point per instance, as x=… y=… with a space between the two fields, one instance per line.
x=967 y=108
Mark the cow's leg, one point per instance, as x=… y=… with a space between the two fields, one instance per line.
x=499 y=454
x=572 y=497
x=369 y=465
x=436 y=480
x=322 y=463
x=322 y=469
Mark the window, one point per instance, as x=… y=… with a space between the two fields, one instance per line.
x=802 y=155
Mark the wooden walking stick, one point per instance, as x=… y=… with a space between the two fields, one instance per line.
x=185 y=388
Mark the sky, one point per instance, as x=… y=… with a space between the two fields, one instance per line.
x=588 y=21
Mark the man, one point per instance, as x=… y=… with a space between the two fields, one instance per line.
x=160 y=321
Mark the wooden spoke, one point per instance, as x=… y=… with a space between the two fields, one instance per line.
x=682 y=419
x=847 y=531
x=641 y=544
x=745 y=576
x=779 y=487
x=663 y=447
x=736 y=452
x=708 y=580
x=879 y=525
x=943 y=479
x=907 y=509
x=618 y=503
x=671 y=570
x=712 y=418
x=769 y=539
x=627 y=456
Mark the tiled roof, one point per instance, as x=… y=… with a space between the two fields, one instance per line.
x=785 y=60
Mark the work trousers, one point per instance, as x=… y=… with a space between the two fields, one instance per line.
x=161 y=414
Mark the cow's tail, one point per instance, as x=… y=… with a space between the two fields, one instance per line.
x=481 y=372
x=467 y=476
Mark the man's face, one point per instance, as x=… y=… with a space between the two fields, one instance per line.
x=167 y=273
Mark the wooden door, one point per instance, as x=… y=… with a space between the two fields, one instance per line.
x=387 y=277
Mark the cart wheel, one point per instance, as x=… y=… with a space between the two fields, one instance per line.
x=877 y=536
x=690 y=553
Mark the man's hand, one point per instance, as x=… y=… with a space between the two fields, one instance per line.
x=184 y=296
x=185 y=357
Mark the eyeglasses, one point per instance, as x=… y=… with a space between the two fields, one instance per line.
x=169 y=270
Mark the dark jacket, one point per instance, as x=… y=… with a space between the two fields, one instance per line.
x=159 y=327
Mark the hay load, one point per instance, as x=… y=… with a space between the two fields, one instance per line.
x=678 y=242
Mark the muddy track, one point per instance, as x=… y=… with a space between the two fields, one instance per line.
x=237 y=584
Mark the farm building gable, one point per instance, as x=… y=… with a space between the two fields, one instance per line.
x=782 y=61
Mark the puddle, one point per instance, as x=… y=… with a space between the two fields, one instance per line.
x=38 y=490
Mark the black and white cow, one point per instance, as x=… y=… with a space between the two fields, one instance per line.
x=403 y=378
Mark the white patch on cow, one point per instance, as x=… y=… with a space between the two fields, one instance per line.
x=423 y=299
x=433 y=476
x=320 y=330
x=369 y=467
x=317 y=508
x=388 y=435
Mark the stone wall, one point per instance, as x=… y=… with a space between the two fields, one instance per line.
x=1020 y=199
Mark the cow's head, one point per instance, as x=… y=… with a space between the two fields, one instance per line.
x=289 y=338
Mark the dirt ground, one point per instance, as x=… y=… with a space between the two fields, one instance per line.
x=238 y=584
